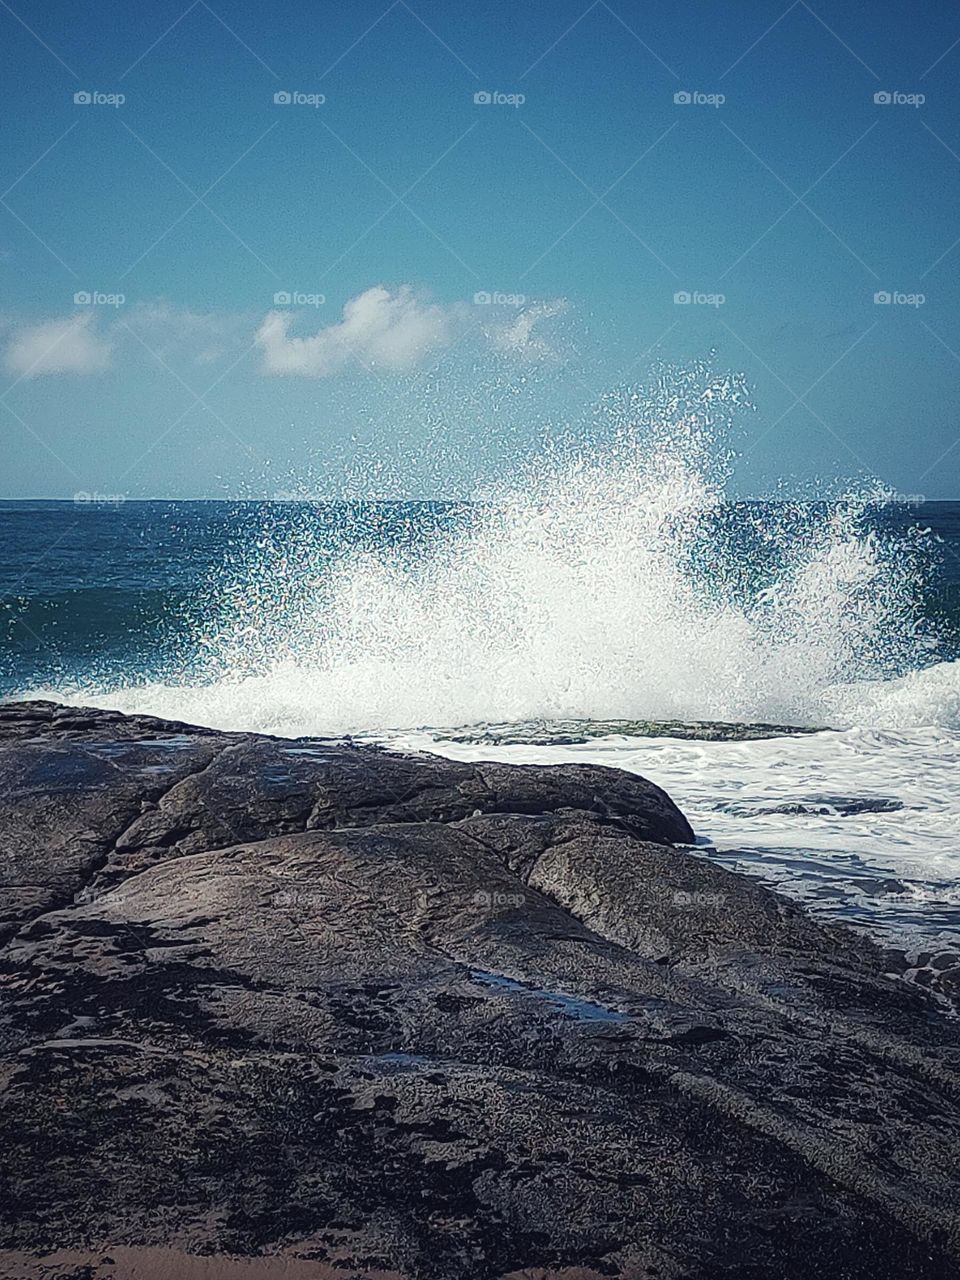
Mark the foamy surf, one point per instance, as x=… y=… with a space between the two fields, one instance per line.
x=861 y=823
x=609 y=582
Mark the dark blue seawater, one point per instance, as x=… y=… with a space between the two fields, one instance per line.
x=96 y=591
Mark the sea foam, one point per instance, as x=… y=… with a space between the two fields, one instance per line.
x=600 y=581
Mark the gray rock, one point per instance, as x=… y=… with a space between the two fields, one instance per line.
x=327 y=1007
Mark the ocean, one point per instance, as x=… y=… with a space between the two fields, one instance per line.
x=788 y=671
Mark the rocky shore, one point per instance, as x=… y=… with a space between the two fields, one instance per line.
x=308 y=1009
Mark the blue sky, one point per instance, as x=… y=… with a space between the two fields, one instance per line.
x=782 y=198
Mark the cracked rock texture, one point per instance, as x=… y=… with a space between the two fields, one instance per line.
x=302 y=1009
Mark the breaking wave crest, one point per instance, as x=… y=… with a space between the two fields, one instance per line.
x=609 y=582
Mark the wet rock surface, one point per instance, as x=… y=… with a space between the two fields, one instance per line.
x=555 y=733
x=310 y=1008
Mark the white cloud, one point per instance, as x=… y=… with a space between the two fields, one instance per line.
x=379 y=328
x=69 y=345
